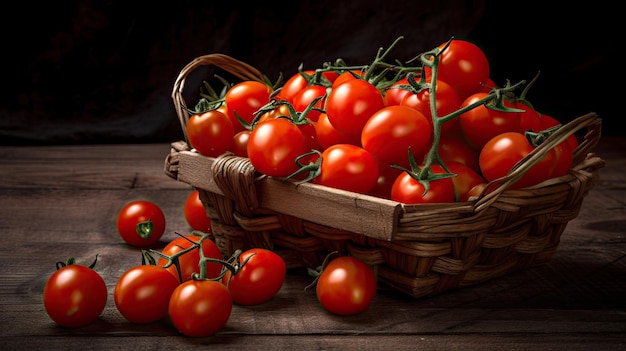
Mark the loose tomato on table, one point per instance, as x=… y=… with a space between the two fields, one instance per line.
x=142 y=293
x=199 y=308
x=259 y=276
x=210 y=133
x=189 y=262
x=346 y=286
x=195 y=213
x=141 y=223
x=74 y=295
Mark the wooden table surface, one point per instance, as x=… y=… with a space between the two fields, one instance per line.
x=61 y=201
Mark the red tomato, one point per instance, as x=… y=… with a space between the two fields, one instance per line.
x=346 y=286
x=199 y=308
x=141 y=223
x=210 y=133
x=386 y=176
x=245 y=98
x=240 y=143
x=346 y=76
x=259 y=279
x=466 y=178
x=407 y=190
x=328 y=135
x=74 y=295
x=480 y=124
x=392 y=130
x=195 y=213
x=351 y=104
x=348 y=167
x=142 y=293
x=297 y=82
x=305 y=97
x=394 y=94
x=190 y=261
x=549 y=121
x=530 y=119
x=502 y=152
x=274 y=145
x=464 y=66
x=447 y=101
x=454 y=149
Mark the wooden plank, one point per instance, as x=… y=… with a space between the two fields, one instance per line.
x=362 y=214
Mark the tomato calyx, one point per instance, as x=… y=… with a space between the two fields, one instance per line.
x=71 y=260
x=145 y=229
x=317 y=271
x=424 y=175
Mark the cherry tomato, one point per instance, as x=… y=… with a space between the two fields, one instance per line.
x=74 y=295
x=394 y=94
x=548 y=121
x=466 y=178
x=346 y=286
x=392 y=130
x=142 y=293
x=190 y=261
x=480 y=124
x=464 y=66
x=297 y=82
x=348 y=167
x=305 y=97
x=141 y=223
x=240 y=143
x=530 y=119
x=352 y=103
x=245 y=98
x=346 y=76
x=328 y=135
x=407 y=190
x=259 y=279
x=210 y=133
x=274 y=145
x=195 y=213
x=446 y=101
x=199 y=308
x=454 y=149
x=502 y=152
x=386 y=176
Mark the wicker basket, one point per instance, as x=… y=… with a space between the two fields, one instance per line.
x=421 y=250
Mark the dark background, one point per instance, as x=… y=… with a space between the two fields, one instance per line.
x=79 y=72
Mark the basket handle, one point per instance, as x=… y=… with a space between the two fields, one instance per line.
x=498 y=186
x=231 y=65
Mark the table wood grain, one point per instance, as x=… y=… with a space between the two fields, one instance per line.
x=61 y=201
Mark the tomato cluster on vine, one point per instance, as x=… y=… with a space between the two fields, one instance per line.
x=431 y=130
